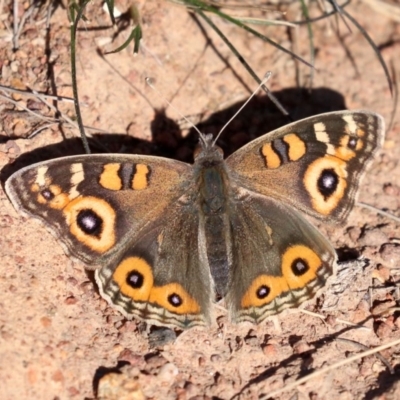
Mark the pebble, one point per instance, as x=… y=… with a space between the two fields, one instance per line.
x=167 y=373
x=372 y=237
x=390 y=254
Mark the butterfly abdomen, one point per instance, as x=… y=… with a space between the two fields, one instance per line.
x=214 y=226
x=217 y=238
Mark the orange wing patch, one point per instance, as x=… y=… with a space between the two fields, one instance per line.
x=140 y=178
x=297 y=147
x=135 y=279
x=299 y=266
x=109 y=178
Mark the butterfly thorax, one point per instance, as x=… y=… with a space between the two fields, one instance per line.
x=214 y=228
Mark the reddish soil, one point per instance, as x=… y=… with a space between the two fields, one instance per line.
x=59 y=338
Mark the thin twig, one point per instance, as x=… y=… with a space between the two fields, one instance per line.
x=35 y=94
x=332 y=367
x=378 y=211
x=40 y=129
x=243 y=61
x=16 y=103
x=374 y=47
x=365 y=348
x=15 y=25
x=341 y=321
x=74 y=27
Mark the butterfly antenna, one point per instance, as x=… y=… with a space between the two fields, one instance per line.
x=149 y=81
x=263 y=82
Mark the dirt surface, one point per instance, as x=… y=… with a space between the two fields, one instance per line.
x=60 y=340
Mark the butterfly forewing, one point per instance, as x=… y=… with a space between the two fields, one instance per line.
x=96 y=203
x=314 y=164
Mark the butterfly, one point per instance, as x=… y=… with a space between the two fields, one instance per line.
x=168 y=239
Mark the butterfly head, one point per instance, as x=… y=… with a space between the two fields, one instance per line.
x=207 y=150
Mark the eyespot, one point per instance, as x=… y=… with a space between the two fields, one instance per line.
x=299 y=266
x=263 y=291
x=92 y=222
x=89 y=222
x=47 y=194
x=51 y=195
x=175 y=300
x=173 y=297
x=135 y=279
x=352 y=143
x=325 y=181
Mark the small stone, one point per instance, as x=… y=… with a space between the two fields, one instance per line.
x=354 y=233
x=301 y=347
x=390 y=254
x=378 y=367
x=251 y=341
x=58 y=376
x=134 y=359
x=155 y=361
x=191 y=390
x=382 y=274
x=372 y=237
x=70 y=300
x=331 y=320
x=391 y=190
x=270 y=351
x=128 y=327
x=161 y=336
x=383 y=330
x=201 y=361
x=87 y=288
x=17 y=83
x=382 y=308
x=115 y=386
x=73 y=281
x=167 y=373
x=251 y=338
x=221 y=321
x=117 y=348
x=73 y=391
x=215 y=358
x=21 y=128
x=45 y=321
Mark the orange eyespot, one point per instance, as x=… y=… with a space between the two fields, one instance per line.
x=135 y=279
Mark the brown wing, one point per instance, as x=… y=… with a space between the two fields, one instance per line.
x=314 y=164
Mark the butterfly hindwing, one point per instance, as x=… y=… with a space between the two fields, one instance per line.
x=284 y=261
x=161 y=277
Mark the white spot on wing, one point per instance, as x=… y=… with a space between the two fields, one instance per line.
x=41 y=175
x=351 y=124
x=77 y=176
x=320 y=132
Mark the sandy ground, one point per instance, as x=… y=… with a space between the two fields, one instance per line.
x=60 y=340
